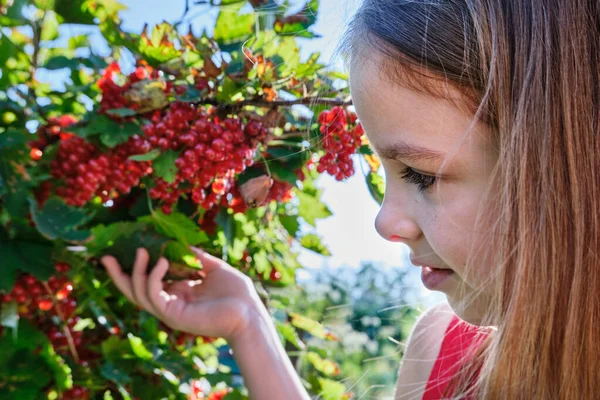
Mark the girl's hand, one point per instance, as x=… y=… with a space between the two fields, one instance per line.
x=222 y=304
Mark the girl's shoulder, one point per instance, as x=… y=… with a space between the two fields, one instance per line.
x=421 y=351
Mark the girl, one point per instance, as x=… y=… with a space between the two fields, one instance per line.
x=485 y=114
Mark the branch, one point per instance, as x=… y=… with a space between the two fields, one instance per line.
x=66 y=331
x=278 y=103
x=187 y=9
x=37 y=37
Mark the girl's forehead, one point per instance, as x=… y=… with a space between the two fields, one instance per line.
x=392 y=113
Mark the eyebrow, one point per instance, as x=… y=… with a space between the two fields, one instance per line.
x=404 y=151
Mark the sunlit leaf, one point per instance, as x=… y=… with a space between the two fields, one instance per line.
x=311 y=326
x=177 y=226
x=376 y=186
x=232 y=26
x=323 y=365
x=311 y=208
x=313 y=242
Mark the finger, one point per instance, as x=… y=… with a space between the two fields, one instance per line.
x=208 y=261
x=155 y=291
x=139 y=279
x=121 y=279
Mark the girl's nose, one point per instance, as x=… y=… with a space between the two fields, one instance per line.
x=394 y=223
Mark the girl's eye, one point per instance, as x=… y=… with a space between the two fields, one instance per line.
x=422 y=181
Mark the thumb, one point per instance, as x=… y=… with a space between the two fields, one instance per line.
x=208 y=261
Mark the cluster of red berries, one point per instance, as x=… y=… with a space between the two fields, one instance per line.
x=212 y=153
x=339 y=141
x=33 y=296
x=46 y=302
x=76 y=393
x=197 y=392
x=51 y=132
x=86 y=172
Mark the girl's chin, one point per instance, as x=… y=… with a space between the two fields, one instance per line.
x=471 y=310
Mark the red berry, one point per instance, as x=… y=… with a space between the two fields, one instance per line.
x=35 y=154
x=219 y=186
x=45 y=305
x=21 y=298
x=275 y=275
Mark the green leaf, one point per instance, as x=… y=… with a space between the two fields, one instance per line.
x=45 y=5
x=137 y=345
x=290 y=223
x=121 y=112
x=323 y=365
x=74 y=12
x=104 y=236
x=376 y=186
x=289 y=334
x=313 y=242
x=120 y=135
x=62 y=372
x=331 y=390
x=60 y=62
x=115 y=348
x=180 y=252
x=12 y=139
x=301 y=22
x=154 y=50
x=14 y=14
x=261 y=262
x=57 y=220
x=164 y=166
x=151 y=155
x=111 y=133
x=50 y=27
x=177 y=226
x=124 y=247
x=28 y=337
x=79 y=41
x=232 y=26
x=366 y=150
x=280 y=172
x=29 y=256
x=311 y=208
x=311 y=326
x=117 y=375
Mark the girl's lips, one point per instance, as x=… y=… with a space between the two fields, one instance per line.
x=434 y=277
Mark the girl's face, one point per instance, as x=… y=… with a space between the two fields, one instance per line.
x=414 y=134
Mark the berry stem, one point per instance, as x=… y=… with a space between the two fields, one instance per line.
x=65 y=329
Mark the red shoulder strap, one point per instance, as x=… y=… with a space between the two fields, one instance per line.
x=459 y=339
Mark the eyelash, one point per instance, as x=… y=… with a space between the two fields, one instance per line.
x=423 y=182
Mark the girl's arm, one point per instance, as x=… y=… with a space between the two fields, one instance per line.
x=223 y=303
x=267 y=370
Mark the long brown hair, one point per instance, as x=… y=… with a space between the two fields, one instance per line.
x=530 y=70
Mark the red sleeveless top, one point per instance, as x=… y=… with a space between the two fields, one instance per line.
x=459 y=340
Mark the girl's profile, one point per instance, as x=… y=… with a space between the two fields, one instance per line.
x=485 y=114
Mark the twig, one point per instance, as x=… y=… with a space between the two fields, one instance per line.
x=37 y=38
x=65 y=328
x=281 y=103
x=187 y=9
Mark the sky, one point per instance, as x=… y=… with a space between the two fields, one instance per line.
x=350 y=233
